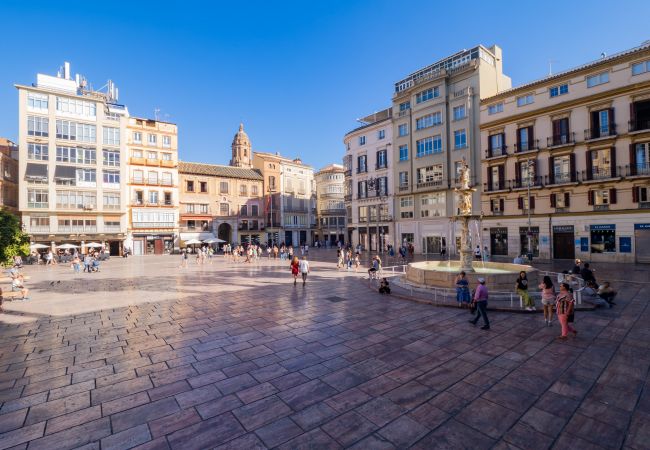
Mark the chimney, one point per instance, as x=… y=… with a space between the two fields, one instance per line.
x=66 y=70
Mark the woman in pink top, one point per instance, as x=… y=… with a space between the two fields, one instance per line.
x=548 y=299
x=564 y=307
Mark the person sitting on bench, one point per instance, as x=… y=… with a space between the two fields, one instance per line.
x=384 y=286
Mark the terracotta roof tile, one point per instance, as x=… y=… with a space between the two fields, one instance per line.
x=217 y=170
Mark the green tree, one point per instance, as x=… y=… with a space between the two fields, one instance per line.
x=13 y=240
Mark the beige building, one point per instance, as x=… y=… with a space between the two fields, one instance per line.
x=369 y=187
x=152 y=186
x=8 y=176
x=290 y=199
x=435 y=127
x=72 y=164
x=330 y=206
x=566 y=163
x=224 y=202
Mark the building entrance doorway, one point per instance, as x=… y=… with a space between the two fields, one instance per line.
x=224 y=232
x=563 y=242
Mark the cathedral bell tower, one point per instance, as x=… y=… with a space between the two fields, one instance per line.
x=242 y=155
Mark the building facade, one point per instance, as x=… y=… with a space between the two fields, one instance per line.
x=330 y=205
x=566 y=163
x=152 y=187
x=436 y=126
x=8 y=176
x=290 y=199
x=224 y=202
x=368 y=189
x=72 y=165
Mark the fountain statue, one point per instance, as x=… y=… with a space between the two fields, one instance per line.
x=464 y=193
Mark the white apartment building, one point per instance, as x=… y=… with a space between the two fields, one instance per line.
x=369 y=183
x=330 y=206
x=152 y=186
x=72 y=168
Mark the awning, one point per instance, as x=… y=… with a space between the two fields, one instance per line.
x=65 y=173
x=201 y=236
x=36 y=171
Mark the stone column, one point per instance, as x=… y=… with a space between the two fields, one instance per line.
x=465 y=249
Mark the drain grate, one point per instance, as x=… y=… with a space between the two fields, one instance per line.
x=335 y=299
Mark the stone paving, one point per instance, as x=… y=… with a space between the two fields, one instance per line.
x=147 y=355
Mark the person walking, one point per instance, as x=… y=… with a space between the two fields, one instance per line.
x=477 y=253
x=462 y=290
x=486 y=254
x=480 y=300
x=564 y=306
x=184 y=258
x=548 y=299
x=522 y=290
x=295 y=269
x=304 y=269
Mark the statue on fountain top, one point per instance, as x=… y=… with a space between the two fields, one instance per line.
x=464 y=192
x=464 y=175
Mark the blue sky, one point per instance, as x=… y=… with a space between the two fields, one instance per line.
x=297 y=74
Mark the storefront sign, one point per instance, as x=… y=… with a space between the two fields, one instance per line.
x=584 y=244
x=499 y=230
x=642 y=226
x=602 y=227
x=563 y=229
x=625 y=244
x=524 y=230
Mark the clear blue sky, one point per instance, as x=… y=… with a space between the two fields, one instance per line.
x=297 y=74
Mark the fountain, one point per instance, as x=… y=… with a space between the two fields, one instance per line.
x=498 y=276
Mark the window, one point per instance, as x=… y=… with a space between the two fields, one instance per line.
x=168 y=198
x=526 y=171
x=381 y=134
x=37 y=126
x=37 y=198
x=496 y=205
x=73 y=131
x=137 y=137
x=362 y=140
x=152 y=178
x=153 y=197
x=428 y=146
x=167 y=179
x=243 y=190
x=363 y=213
x=428 y=120
x=189 y=186
x=86 y=175
x=39 y=222
x=363 y=189
x=603 y=240
x=405 y=106
x=111 y=158
x=244 y=210
x=406 y=207
x=224 y=209
x=254 y=210
x=403 y=179
x=640 y=67
x=495 y=109
x=136 y=154
x=37 y=102
x=432 y=205
x=254 y=191
x=223 y=187
x=459 y=112
x=203 y=208
x=601 y=197
x=460 y=139
x=152 y=155
x=152 y=139
x=430 y=174
x=76 y=199
x=403 y=129
x=496 y=143
x=561 y=200
x=556 y=91
x=601 y=163
x=271 y=183
x=427 y=94
x=523 y=138
x=38 y=152
x=71 y=106
x=167 y=141
x=112 y=176
x=362 y=164
x=525 y=100
x=111 y=200
x=203 y=186
x=496 y=178
x=166 y=156
x=403 y=152
x=382 y=162
x=562 y=169
x=596 y=80
x=139 y=197
x=111 y=136
x=77 y=155
x=382 y=186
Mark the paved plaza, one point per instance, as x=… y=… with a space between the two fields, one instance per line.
x=148 y=355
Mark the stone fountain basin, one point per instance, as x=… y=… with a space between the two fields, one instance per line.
x=498 y=276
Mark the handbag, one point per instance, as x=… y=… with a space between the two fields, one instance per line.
x=472 y=307
x=571 y=318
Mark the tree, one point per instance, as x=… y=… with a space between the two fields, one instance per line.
x=13 y=240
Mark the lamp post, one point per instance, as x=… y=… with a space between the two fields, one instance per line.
x=529 y=164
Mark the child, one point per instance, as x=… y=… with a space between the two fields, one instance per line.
x=384 y=287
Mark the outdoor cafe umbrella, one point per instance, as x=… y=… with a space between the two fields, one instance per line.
x=214 y=241
x=93 y=244
x=38 y=246
x=67 y=246
x=192 y=242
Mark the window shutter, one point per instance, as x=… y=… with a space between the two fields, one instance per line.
x=518 y=174
x=520 y=203
x=556 y=129
x=612 y=157
x=612 y=122
x=632 y=117
x=632 y=159
x=595 y=125
x=572 y=166
x=531 y=202
x=501 y=177
x=553 y=201
x=635 y=194
x=519 y=139
x=567 y=200
x=490 y=145
x=551 y=170
x=589 y=165
x=503 y=141
x=501 y=204
x=531 y=138
x=590 y=197
x=489 y=177
x=491 y=205
x=385 y=185
x=612 y=196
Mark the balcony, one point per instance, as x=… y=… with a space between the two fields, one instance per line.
x=639 y=124
x=112 y=228
x=600 y=132
x=524 y=147
x=151 y=225
x=137 y=161
x=403 y=187
x=347 y=198
x=601 y=207
x=39 y=229
x=523 y=183
x=495 y=186
x=381 y=166
x=362 y=170
x=601 y=174
x=639 y=169
x=563 y=178
x=496 y=152
x=433 y=183
x=348 y=173
x=168 y=163
x=561 y=140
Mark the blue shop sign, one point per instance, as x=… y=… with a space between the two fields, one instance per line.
x=584 y=244
x=642 y=226
x=602 y=227
x=625 y=245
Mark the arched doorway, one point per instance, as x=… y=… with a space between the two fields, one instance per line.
x=224 y=232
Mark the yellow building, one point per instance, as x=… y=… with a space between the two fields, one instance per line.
x=8 y=176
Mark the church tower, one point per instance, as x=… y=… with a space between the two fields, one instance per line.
x=242 y=155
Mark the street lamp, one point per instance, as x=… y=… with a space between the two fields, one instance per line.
x=530 y=164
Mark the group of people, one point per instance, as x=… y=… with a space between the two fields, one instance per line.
x=299 y=266
x=344 y=259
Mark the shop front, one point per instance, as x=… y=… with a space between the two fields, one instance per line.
x=642 y=242
x=499 y=241
x=603 y=238
x=153 y=244
x=564 y=242
x=529 y=237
